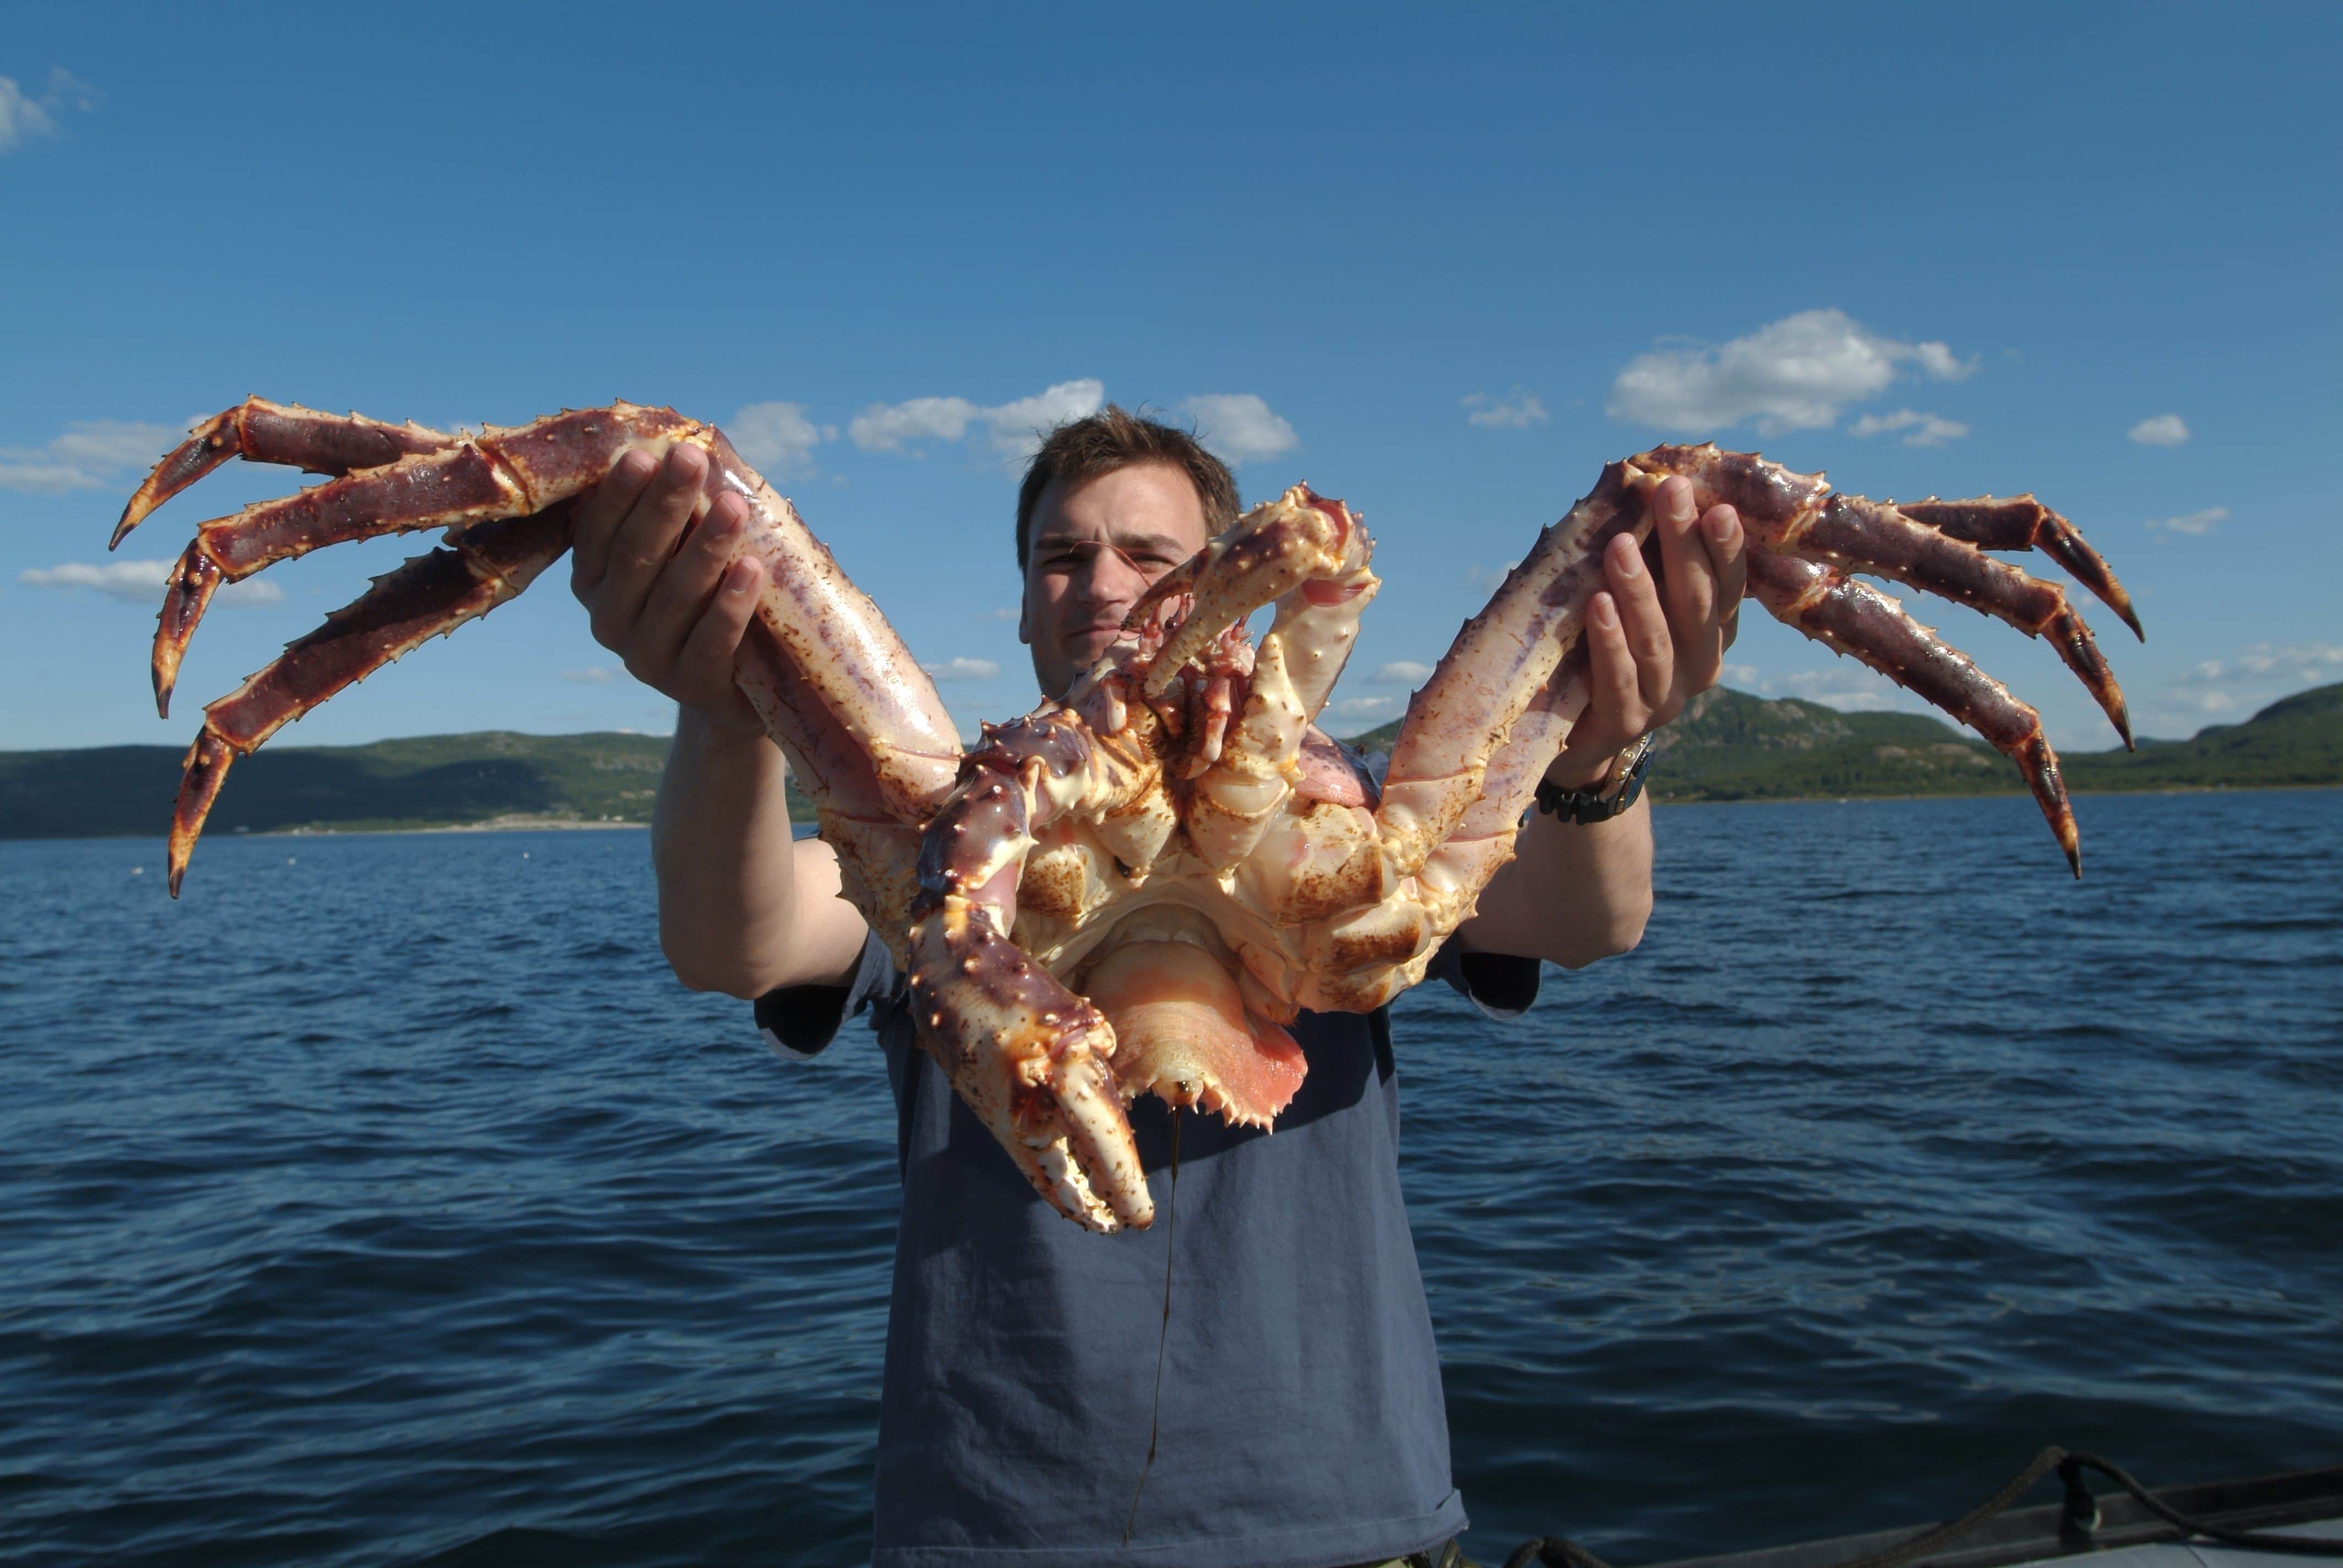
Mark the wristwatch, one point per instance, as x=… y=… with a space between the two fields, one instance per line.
x=1606 y=800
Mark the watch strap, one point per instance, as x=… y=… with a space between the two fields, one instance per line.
x=1605 y=801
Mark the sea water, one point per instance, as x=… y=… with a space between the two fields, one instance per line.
x=385 y=1201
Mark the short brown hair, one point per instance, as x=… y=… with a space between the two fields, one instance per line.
x=1114 y=439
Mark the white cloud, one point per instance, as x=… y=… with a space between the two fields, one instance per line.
x=65 y=88
x=778 y=436
x=1014 y=428
x=1403 y=672
x=1365 y=706
x=1849 y=686
x=2266 y=663
x=2192 y=522
x=1927 y=429
x=1002 y=612
x=140 y=582
x=2163 y=431
x=1796 y=374
x=92 y=456
x=1239 y=425
x=24 y=116
x=1519 y=412
x=1017 y=427
x=599 y=675
x=961 y=670
x=21 y=118
x=891 y=426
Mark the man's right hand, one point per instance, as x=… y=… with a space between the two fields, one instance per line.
x=668 y=595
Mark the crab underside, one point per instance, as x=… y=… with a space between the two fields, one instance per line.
x=1135 y=889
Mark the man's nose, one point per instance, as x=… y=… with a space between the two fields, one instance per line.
x=1110 y=579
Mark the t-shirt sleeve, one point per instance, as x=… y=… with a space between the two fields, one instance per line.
x=799 y=1021
x=1499 y=984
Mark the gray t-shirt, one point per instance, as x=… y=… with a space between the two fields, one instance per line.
x=1301 y=1419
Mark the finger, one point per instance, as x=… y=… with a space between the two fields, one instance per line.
x=605 y=507
x=1615 y=706
x=1644 y=622
x=705 y=661
x=1728 y=552
x=680 y=593
x=645 y=541
x=1688 y=577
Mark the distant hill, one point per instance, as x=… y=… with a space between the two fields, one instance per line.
x=435 y=780
x=1729 y=747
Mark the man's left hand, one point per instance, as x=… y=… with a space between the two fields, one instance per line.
x=1654 y=645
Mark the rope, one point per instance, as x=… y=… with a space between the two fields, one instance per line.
x=2082 y=1514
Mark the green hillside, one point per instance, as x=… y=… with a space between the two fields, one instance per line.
x=1728 y=747
x=435 y=780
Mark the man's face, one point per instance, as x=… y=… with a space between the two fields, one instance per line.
x=1095 y=547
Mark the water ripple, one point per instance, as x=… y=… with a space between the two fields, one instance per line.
x=456 y=1232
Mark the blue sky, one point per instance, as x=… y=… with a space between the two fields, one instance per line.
x=1443 y=263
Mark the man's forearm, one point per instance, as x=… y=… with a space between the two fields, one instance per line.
x=728 y=874
x=1573 y=892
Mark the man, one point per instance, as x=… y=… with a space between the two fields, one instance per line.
x=1300 y=1420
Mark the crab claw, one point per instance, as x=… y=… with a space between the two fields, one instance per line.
x=1030 y=1059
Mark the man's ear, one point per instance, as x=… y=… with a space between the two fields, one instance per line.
x=1025 y=628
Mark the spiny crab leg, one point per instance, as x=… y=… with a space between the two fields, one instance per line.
x=1028 y=1055
x=2022 y=523
x=1856 y=535
x=1853 y=618
x=1308 y=554
x=1501 y=661
x=264 y=432
x=1799 y=515
x=429 y=596
x=1303 y=540
x=497 y=474
x=860 y=723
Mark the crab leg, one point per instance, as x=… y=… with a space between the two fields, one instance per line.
x=1028 y=1055
x=1853 y=533
x=499 y=474
x=430 y=596
x=1482 y=842
x=1852 y=618
x=1501 y=661
x=2022 y=523
x=1856 y=535
x=1309 y=556
x=264 y=432
x=859 y=722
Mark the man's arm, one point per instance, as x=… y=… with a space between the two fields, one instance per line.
x=1576 y=893
x=743 y=906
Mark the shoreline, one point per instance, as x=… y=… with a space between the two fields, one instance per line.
x=517 y=824
x=2019 y=794
x=504 y=824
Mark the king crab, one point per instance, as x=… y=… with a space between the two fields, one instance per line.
x=1136 y=888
